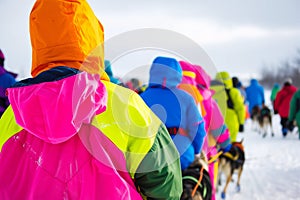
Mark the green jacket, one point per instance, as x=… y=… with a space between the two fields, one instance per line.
x=274 y=92
x=294 y=113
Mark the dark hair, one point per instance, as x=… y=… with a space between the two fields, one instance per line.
x=235 y=82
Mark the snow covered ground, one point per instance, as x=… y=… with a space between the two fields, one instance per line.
x=272 y=166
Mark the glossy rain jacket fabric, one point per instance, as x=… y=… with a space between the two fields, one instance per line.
x=66 y=33
x=217 y=132
x=255 y=94
x=233 y=117
x=189 y=85
x=214 y=121
x=175 y=107
x=48 y=156
x=70 y=135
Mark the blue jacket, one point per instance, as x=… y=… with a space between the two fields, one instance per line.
x=255 y=94
x=175 y=107
x=6 y=81
x=6 y=78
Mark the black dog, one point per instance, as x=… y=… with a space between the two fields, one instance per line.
x=265 y=121
x=190 y=179
x=262 y=120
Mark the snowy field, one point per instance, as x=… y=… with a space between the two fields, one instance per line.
x=272 y=166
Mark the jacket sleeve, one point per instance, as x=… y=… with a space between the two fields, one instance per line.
x=159 y=174
x=151 y=156
x=195 y=126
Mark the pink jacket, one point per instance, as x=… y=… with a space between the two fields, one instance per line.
x=214 y=122
x=44 y=161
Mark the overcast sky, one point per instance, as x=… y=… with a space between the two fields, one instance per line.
x=240 y=36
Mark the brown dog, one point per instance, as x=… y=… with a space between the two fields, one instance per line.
x=231 y=162
x=255 y=114
x=265 y=121
x=262 y=120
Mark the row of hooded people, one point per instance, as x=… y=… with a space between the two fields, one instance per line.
x=181 y=95
x=229 y=99
x=69 y=133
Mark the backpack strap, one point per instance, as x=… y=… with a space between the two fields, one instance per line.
x=176 y=130
x=229 y=99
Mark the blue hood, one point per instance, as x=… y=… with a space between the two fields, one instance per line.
x=165 y=72
x=254 y=82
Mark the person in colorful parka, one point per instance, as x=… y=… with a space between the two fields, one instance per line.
x=255 y=95
x=217 y=132
x=233 y=110
x=69 y=132
x=282 y=104
x=175 y=107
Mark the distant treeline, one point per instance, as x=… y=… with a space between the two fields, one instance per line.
x=287 y=69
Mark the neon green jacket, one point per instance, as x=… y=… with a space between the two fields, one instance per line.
x=233 y=117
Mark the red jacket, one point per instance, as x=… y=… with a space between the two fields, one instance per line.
x=282 y=100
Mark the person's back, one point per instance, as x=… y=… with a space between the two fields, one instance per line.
x=218 y=87
x=282 y=103
x=189 y=85
x=87 y=137
x=214 y=121
x=283 y=98
x=255 y=95
x=176 y=108
x=217 y=132
x=234 y=109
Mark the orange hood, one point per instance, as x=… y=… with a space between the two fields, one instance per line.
x=66 y=33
